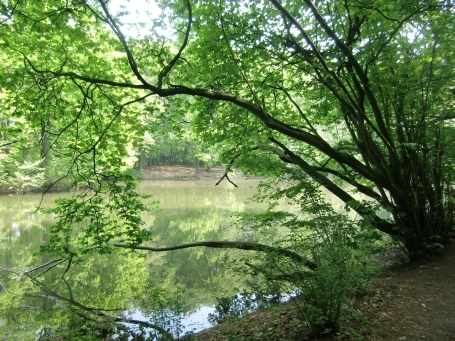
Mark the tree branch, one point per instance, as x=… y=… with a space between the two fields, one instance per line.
x=234 y=59
x=361 y=209
x=8 y=143
x=147 y=324
x=99 y=312
x=51 y=264
x=171 y=64
x=382 y=133
x=121 y=37
x=361 y=188
x=229 y=245
x=228 y=168
x=271 y=122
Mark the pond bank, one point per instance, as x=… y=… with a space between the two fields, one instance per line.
x=181 y=172
x=411 y=302
x=153 y=173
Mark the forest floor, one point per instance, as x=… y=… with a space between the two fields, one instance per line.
x=410 y=302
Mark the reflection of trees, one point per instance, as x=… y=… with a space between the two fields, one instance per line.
x=21 y=229
x=88 y=313
x=193 y=195
x=106 y=281
x=179 y=279
x=31 y=304
x=202 y=273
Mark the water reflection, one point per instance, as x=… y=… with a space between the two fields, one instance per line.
x=174 y=291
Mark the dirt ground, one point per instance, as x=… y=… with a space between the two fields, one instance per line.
x=417 y=302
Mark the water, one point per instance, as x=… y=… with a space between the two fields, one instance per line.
x=175 y=289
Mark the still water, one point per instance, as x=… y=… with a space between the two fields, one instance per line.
x=175 y=290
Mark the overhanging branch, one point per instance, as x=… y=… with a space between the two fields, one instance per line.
x=228 y=245
x=267 y=119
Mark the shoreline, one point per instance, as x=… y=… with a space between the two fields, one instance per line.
x=152 y=173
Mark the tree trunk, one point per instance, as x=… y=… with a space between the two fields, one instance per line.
x=196 y=172
x=140 y=162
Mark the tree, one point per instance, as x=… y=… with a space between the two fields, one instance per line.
x=357 y=96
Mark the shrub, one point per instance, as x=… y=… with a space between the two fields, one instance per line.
x=339 y=245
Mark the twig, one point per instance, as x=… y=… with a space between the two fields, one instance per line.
x=228 y=168
x=68 y=267
x=60 y=260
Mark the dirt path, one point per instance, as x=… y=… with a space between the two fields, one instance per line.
x=418 y=302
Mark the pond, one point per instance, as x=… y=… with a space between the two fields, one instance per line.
x=176 y=290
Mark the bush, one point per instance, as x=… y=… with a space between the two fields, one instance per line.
x=342 y=273
x=338 y=245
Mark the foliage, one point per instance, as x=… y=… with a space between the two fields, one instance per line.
x=106 y=210
x=342 y=274
x=45 y=301
x=359 y=97
x=339 y=246
x=27 y=175
x=356 y=96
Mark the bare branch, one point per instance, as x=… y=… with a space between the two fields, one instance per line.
x=228 y=245
x=225 y=175
x=227 y=169
x=51 y=263
x=9 y=143
x=68 y=267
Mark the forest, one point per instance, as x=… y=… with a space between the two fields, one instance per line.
x=349 y=97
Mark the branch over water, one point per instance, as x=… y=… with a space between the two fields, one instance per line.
x=229 y=245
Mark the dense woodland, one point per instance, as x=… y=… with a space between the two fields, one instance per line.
x=29 y=165
x=350 y=96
